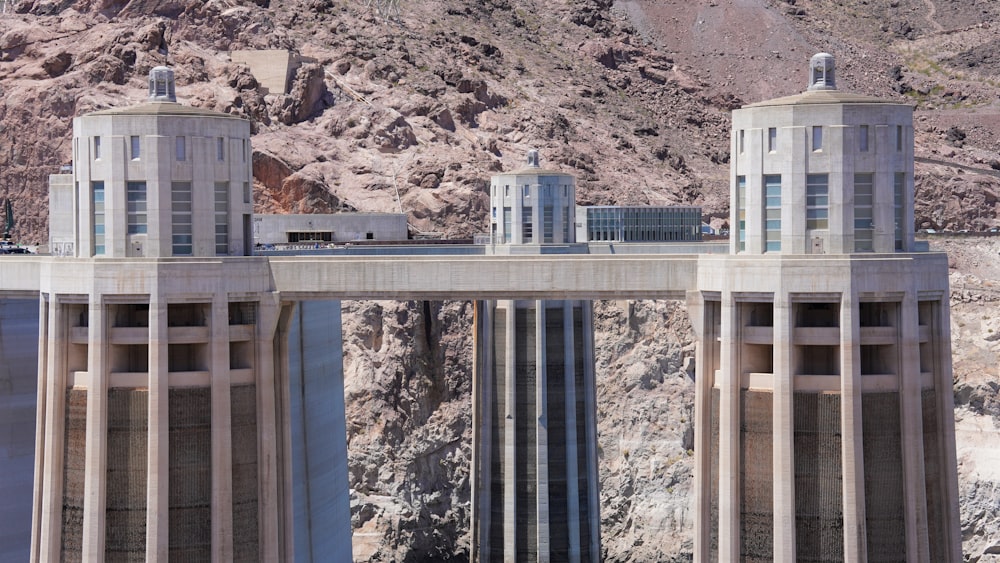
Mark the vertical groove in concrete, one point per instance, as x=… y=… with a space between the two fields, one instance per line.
x=245 y=477
x=884 y=510
x=127 y=464
x=190 y=473
x=69 y=533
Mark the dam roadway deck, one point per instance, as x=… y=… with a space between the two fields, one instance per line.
x=647 y=276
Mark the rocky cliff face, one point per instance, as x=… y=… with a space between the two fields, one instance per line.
x=633 y=97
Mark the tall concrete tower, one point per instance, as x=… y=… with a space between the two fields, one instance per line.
x=823 y=401
x=534 y=475
x=164 y=427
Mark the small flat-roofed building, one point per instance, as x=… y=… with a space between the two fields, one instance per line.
x=328 y=227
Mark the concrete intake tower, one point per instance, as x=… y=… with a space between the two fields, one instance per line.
x=534 y=475
x=824 y=425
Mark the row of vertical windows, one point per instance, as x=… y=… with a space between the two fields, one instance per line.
x=654 y=224
x=180 y=148
x=544 y=190
x=817 y=139
x=817 y=209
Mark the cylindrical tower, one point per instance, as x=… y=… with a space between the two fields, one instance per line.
x=534 y=475
x=163 y=421
x=824 y=424
x=156 y=180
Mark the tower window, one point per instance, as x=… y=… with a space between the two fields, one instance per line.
x=526 y=233
x=180 y=148
x=220 y=149
x=136 y=193
x=97 y=195
x=864 y=226
x=222 y=218
x=899 y=138
x=772 y=213
x=180 y=218
x=97 y=148
x=741 y=138
x=547 y=222
x=741 y=212
x=134 y=146
x=898 y=187
x=863 y=138
x=772 y=139
x=817 y=201
x=817 y=140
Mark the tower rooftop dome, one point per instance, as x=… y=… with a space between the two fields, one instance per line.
x=161 y=85
x=821 y=72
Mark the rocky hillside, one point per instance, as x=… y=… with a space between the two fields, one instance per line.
x=415 y=112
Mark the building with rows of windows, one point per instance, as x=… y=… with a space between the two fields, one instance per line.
x=824 y=427
x=168 y=412
x=820 y=172
x=534 y=469
x=624 y=223
x=162 y=179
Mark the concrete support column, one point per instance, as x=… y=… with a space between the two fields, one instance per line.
x=482 y=414
x=911 y=426
x=158 y=466
x=729 y=435
x=590 y=406
x=852 y=444
x=275 y=491
x=96 y=456
x=42 y=414
x=542 y=433
x=51 y=437
x=510 y=442
x=702 y=421
x=572 y=452
x=783 y=426
x=222 y=448
x=941 y=335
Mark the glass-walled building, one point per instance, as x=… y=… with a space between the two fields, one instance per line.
x=614 y=223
